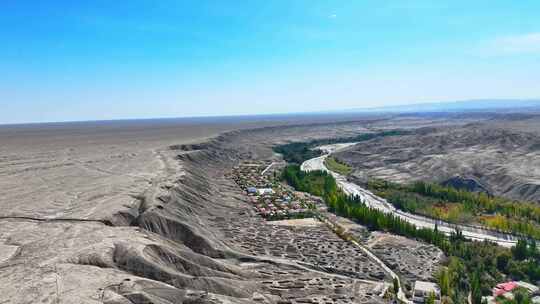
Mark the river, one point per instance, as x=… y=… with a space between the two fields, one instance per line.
x=373 y=201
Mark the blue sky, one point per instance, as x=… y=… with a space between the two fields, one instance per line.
x=75 y=60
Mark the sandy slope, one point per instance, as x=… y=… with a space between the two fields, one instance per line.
x=124 y=213
x=144 y=214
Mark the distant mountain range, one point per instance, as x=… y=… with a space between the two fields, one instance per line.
x=507 y=105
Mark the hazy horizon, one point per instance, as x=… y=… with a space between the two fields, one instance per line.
x=66 y=61
x=424 y=107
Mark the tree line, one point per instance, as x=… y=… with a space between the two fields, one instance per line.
x=461 y=206
x=473 y=267
x=298 y=152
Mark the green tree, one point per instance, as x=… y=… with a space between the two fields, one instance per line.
x=502 y=261
x=520 y=251
x=431 y=298
x=445 y=282
x=476 y=290
x=521 y=296
x=533 y=249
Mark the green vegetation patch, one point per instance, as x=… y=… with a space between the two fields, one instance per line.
x=474 y=267
x=337 y=166
x=461 y=206
x=297 y=153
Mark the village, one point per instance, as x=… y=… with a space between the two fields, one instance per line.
x=275 y=201
x=280 y=222
x=271 y=199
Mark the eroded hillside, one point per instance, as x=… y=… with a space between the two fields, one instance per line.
x=163 y=225
x=500 y=156
x=160 y=222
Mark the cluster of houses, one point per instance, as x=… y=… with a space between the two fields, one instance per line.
x=507 y=290
x=274 y=200
x=278 y=204
x=423 y=290
x=270 y=198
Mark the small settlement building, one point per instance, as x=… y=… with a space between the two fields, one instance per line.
x=529 y=287
x=263 y=191
x=507 y=290
x=423 y=290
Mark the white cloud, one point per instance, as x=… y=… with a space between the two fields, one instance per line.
x=516 y=44
x=332 y=16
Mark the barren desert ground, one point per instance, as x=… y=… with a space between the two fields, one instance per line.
x=89 y=209
x=146 y=212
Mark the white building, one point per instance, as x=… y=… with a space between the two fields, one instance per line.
x=262 y=191
x=529 y=287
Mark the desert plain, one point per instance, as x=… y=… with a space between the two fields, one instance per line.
x=144 y=211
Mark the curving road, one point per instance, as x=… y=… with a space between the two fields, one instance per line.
x=373 y=201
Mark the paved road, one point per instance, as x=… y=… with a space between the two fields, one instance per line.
x=473 y=233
